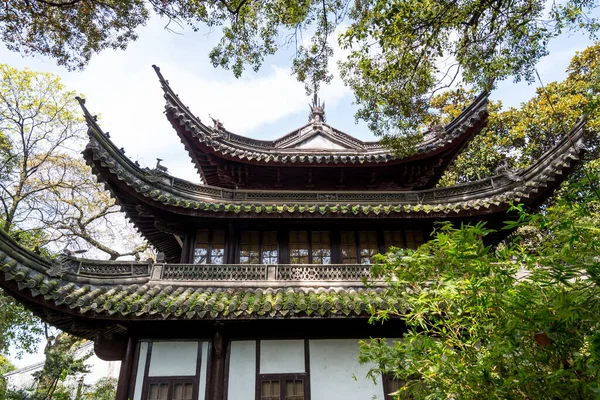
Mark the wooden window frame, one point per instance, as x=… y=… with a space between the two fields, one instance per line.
x=210 y=246
x=387 y=245
x=356 y=250
x=282 y=378
x=310 y=246
x=240 y=244
x=170 y=381
x=311 y=254
x=261 y=233
x=261 y=244
x=359 y=257
x=295 y=375
x=308 y=243
x=193 y=379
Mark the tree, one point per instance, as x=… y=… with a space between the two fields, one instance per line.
x=517 y=137
x=46 y=186
x=5 y=367
x=104 y=389
x=62 y=362
x=38 y=119
x=401 y=52
x=519 y=320
x=48 y=198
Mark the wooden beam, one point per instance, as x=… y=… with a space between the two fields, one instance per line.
x=217 y=378
x=111 y=348
x=126 y=373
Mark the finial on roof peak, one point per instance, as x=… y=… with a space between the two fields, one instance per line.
x=317 y=110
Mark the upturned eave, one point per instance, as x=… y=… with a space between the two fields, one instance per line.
x=86 y=297
x=204 y=143
x=494 y=194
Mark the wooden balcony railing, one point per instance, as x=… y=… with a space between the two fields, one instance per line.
x=223 y=273
x=255 y=272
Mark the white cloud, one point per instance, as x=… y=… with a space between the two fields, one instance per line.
x=124 y=90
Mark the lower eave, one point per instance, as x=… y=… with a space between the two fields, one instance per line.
x=86 y=296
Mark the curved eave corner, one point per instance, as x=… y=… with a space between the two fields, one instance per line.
x=198 y=138
x=74 y=293
x=490 y=195
x=163 y=242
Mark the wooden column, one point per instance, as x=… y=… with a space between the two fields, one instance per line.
x=125 y=374
x=188 y=248
x=217 y=377
x=231 y=244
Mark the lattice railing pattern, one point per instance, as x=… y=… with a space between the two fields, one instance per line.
x=247 y=272
x=424 y=196
x=196 y=272
x=322 y=272
x=109 y=269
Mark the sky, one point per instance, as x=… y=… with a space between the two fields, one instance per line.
x=122 y=88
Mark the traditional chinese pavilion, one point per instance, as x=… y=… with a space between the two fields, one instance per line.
x=257 y=292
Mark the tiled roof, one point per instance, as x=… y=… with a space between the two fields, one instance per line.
x=109 y=290
x=282 y=150
x=528 y=186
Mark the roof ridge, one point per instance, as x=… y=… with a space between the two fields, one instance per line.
x=218 y=136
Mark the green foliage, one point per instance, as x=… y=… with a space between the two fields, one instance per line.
x=520 y=136
x=39 y=118
x=19 y=328
x=516 y=321
x=70 y=31
x=104 y=389
x=47 y=191
x=401 y=52
x=519 y=320
x=62 y=362
x=5 y=365
x=48 y=197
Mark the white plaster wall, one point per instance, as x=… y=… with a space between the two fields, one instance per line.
x=242 y=370
x=23 y=377
x=336 y=374
x=281 y=356
x=320 y=143
x=173 y=359
x=139 y=374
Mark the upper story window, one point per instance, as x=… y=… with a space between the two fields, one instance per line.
x=348 y=247
x=210 y=247
x=258 y=247
x=269 y=252
x=413 y=239
x=393 y=239
x=299 y=247
x=368 y=245
x=310 y=247
x=320 y=247
x=250 y=247
x=303 y=247
x=410 y=239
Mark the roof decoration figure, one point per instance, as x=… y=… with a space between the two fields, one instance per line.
x=217 y=124
x=317 y=111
